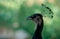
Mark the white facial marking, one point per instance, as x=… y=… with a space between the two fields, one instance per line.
x=37 y=20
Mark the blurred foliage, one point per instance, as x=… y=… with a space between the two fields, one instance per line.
x=13 y=14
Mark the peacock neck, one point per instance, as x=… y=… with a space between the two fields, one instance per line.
x=39 y=28
x=38 y=32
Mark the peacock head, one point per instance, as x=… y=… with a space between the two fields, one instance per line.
x=37 y=18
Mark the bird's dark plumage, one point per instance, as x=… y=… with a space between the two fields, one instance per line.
x=38 y=18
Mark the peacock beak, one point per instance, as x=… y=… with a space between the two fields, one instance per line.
x=29 y=18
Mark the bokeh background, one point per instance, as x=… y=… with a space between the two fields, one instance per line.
x=13 y=14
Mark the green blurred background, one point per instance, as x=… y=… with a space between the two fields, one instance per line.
x=13 y=14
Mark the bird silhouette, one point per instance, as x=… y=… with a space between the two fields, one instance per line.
x=38 y=19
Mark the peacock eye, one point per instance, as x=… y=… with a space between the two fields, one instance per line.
x=38 y=19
